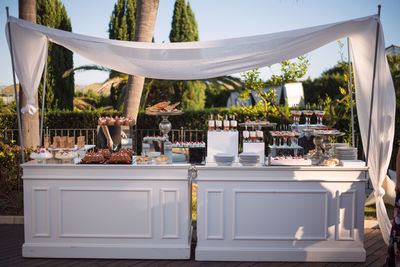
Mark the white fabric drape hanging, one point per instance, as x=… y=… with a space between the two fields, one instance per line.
x=201 y=60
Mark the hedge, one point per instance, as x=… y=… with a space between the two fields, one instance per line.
x=88 y=119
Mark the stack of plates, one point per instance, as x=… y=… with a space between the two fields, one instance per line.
x=223 y=159
x=249 y=158
x=338 y=145
x=346 y=153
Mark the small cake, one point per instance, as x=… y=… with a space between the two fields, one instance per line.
x=120 y=158
x=105 y=152
x=41 y=153
x=110 y=121
x=130 y=121
x=93 y=158
x=331 y=162
x=129 y=151
x=121 y=121
x=102 y=121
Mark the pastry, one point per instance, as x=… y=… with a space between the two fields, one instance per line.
x=80 y=142
x=70 y=142
x=331 y=162
x=46 y=142
x=129 y=151
x=56 y=142
x=120 y=158
x=66 y=155
x=105 y=152
x=161 y=159
x=102 y=121
x=158 y=107
x=93 y=158
x=129 y=121
x=110 y=121
x=143 y=159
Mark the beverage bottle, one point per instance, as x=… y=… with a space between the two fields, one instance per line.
x=226 y=123
x=218 y=124
x=260 y=135
x=233 y=124
x=246 y=134
x=211 y=124
x=168 y=151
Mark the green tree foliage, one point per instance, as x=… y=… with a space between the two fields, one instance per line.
x=121 y=27
x=181 y=24
x=291 y=71
x=193 y=23
x=59 y=90
x=122 y=21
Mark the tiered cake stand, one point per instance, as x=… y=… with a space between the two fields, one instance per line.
x=165 y=125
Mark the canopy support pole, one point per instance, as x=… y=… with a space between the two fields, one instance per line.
x=373 y=87
x=350 y=92
x=43 y=98
x=15 y=91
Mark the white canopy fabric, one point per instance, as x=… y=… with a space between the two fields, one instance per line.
x=201 y=60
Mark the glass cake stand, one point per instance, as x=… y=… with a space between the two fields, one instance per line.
x=323 y=145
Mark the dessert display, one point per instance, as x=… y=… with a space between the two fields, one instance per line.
x=290 y=161
x=120 y=158
x=144 y=159
x=41 y=153
x=149 y=139
x=93 y=158
x=66 y=155
x=219 y=125
x=163 y=107
x=120 y=121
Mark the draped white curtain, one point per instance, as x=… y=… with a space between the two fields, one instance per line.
x=201 y=60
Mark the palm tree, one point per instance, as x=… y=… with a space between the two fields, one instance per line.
x=29 y=123
x=146 y=14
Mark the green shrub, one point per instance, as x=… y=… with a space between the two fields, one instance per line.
x=10 y=178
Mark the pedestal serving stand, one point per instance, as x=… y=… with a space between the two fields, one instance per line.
x=165 y=125
x=323 y=145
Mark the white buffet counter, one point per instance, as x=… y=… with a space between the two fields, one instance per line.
x=107 y=211
x=280 y=214
x=243 y=213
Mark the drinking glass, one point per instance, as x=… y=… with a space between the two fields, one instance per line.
x=308 y=113
x=320 y=113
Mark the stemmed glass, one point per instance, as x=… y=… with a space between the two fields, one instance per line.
x=296 y=115
x=308 y=113
x=320 y=113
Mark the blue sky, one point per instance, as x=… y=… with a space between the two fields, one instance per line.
x=219 y=19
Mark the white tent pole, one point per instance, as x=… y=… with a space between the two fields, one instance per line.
x=43 y=98
x=351 y=92
x=15 y=90
x=373 y=86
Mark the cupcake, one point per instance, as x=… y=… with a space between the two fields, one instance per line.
x=121 y=120
x=130 y=121
x=102 y=121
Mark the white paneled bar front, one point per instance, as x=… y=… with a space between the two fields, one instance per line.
x=280 y=214
x=107 y=211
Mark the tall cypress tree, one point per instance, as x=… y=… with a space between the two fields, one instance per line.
x=121 y=27
x=180 y=26
x=59 y=91
x=184 y=29
x=194 y=32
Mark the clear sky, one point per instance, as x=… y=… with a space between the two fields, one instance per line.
x=219 y=19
